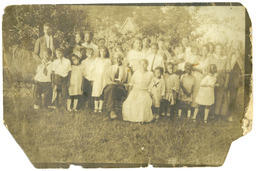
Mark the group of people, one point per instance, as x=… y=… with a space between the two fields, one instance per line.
x=147 y=82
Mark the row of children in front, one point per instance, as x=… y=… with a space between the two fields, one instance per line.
x=61 y=81
x=171 y=92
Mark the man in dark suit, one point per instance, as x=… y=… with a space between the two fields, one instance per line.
x=44 y=47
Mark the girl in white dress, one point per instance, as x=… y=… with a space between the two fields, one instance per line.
x=75 y=83
x=205 y=96
x=101 y=65
x=137 y=106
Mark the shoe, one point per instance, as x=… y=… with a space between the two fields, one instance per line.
x=205 y=121
x=162 y=114
x=156 y=117
x=168 y=114
x=75 y=110
x=69 y=110
x=36 y=107
x=95 y=110
x=113 y=115
x=51 y=107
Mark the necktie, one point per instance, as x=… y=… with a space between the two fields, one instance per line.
x=117 y=73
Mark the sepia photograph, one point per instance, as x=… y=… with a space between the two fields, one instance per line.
x=127 y=85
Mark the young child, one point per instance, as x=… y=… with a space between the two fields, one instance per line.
x=205 y=96
x=187 y=83
x=61 y=68
x=157 y=90
x=88 y=66
x=42 y=91
x=75 y=83
x=172 y=85
x=101 y=65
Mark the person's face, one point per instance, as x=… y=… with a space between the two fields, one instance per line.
x=58 y=54
x=145 y=43
x=204 y=51
x=87 y=37
x=75 y=60
x=188 y=69
x=210 y=48
x=161 y=44
x=218 y=50
x=103 y=52
x=170 y=69
x=144 y=65
x=89 y=52
x=213 y=69
x=184 y=41
x=119 y=60
x=102 y=43
x=137 y=45
x=77 y=38
x=154 y=49
x=47 y=30
x=157 y=73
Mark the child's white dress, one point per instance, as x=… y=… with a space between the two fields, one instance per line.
x=100 y=67
x=88 y=66
x=137 y=106
x=205 y=94
x=157 y=90
x=76 y=79
x=172 y=83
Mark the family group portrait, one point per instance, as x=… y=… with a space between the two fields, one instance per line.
x=124 y=85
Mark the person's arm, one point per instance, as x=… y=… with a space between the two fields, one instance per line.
x=163 y=88
x=37 y=50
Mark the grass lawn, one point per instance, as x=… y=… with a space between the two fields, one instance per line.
x=58 y=138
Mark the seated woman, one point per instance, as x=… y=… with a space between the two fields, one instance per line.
x=137 y=106
x=115 y=91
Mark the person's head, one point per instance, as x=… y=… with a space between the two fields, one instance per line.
x=104 y=53
x=89 y=52
x=158 y=72
x=178 y=50
x=211 y=47
x=212 y=69
x=161 y=44
x=154 y=48
x=144 y=64
x=146 y=42
x=204 y=50
x=88 y=36
x=188 y=67
x=118 y=58
x=75 y=59
x=218 y=49
x=101 y=42
x=59 y=53
x=137 y=44
x=184 y=41
x=170 y=67
x=79 y=37
x=47 y=29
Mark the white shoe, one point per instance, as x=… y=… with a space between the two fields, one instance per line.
x=36 y=107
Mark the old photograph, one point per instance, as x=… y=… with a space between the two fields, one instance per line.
x=126 y=85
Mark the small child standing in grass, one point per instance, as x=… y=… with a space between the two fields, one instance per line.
x=157 y=90
x=42 y=90
x=75 y=83
x=172 y=85
x=187 y=83
x=61 y=68
x=205 y=96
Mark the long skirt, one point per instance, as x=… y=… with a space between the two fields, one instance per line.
x=137 y=106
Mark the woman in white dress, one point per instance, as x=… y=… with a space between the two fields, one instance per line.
x=137 y=106
x=135 y=55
